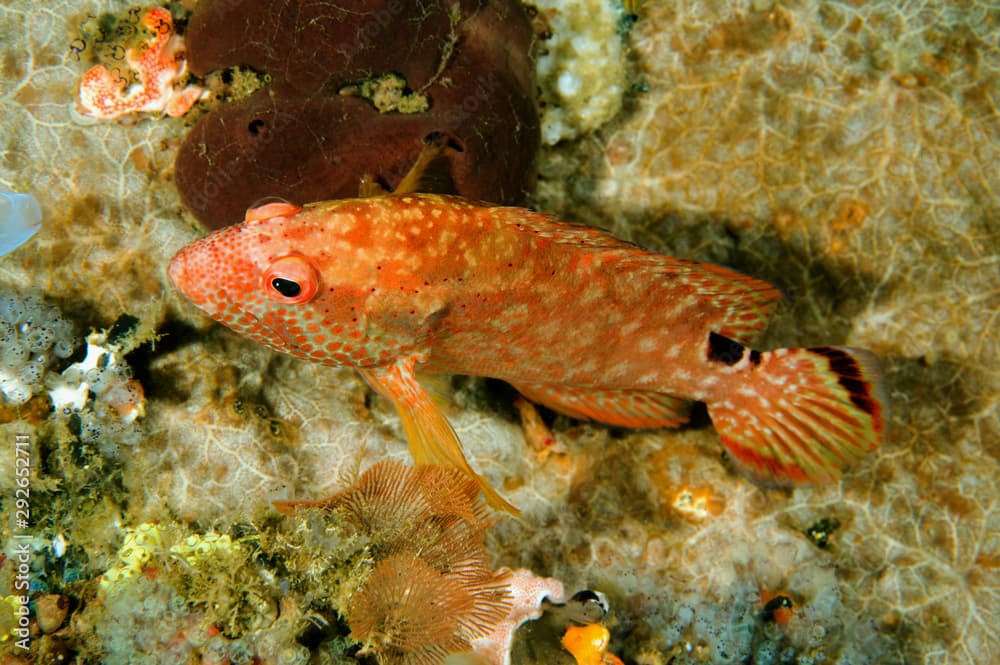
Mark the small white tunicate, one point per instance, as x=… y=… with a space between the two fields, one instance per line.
x=293 y=655
x=39 y=339
x=240 y=651
x=20 y=218
x=177 y=606
x=116 y=394
x=63 y=348
x=198 y=635
x=11 y=309
x=14 y=355
x=90 y=431
x=71 y=375
x=31 y=373
x=18 y=393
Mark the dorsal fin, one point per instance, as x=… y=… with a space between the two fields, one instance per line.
x=744 y=304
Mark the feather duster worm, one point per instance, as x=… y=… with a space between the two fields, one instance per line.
x=432 y=590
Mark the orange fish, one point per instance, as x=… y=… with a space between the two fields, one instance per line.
x=575 y=319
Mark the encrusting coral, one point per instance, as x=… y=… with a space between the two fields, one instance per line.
x=581 y=66
x=154 y=65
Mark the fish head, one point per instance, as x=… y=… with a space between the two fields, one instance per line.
x=257 y=277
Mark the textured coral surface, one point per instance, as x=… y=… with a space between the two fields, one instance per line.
x=844 y=151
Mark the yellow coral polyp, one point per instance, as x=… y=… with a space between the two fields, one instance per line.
x=137 y=549
x=197 y=548
x=698 y=503
x=141 y=543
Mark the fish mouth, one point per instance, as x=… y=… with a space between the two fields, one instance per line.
x=179 y=271
x=176 y=269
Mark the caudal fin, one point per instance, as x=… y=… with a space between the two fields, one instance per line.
x=803 y=415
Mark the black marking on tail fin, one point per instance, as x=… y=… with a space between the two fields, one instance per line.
x=724 y=350
x=849 y=376
x=754 y=357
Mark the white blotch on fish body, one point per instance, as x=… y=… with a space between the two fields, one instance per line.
x=630 y=328
x=648 y=379
x=672 y=351
x=648 y=344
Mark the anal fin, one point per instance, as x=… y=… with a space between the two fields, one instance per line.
x=429 y=434
x=635 y=409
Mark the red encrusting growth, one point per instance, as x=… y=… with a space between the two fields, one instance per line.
x=156 y=65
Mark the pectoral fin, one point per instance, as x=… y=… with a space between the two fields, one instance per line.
x=431 y=437
x=635 y=409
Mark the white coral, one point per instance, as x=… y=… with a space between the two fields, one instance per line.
x=581 y=73
x=528 y=592
x=100 y=391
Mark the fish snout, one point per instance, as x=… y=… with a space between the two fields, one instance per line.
x=183 y=273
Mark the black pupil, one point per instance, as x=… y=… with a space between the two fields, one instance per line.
x=286 y=287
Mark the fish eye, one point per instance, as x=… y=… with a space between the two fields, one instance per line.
x=290 y=279
x=286 y=287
